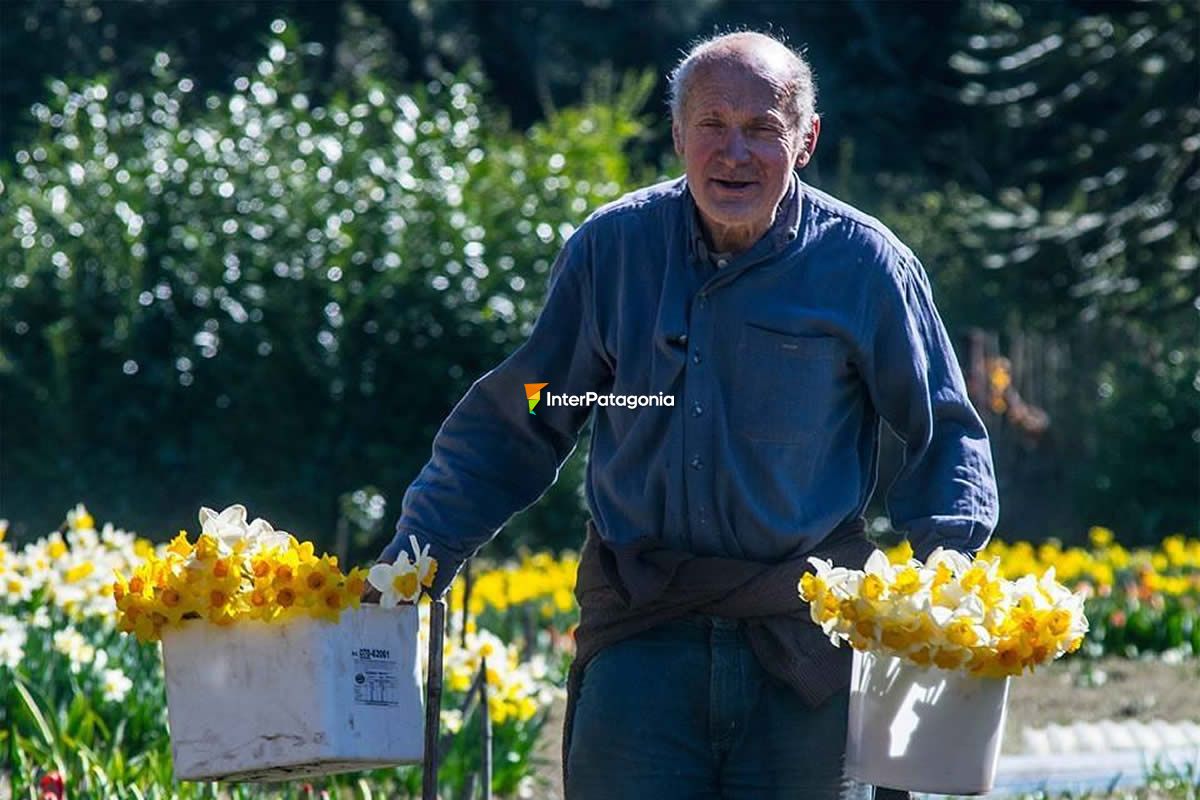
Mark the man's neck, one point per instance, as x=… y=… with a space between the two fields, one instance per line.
x=735 y=239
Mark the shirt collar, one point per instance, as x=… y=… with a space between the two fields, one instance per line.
x=782 y=232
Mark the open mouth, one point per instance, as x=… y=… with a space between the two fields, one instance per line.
x=733 y=185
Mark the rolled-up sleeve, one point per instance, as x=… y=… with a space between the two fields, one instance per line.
x=945 y=494
x=492 y=457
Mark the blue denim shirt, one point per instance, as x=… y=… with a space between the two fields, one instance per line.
x=781 y=364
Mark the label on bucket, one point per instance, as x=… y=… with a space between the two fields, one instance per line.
x=376 y=678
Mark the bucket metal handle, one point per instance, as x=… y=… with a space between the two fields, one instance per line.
x=433 y=699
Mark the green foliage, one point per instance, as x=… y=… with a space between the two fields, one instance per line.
x=259 y=298
x=61 y=713
x=1124 y=625
x=1143 y=441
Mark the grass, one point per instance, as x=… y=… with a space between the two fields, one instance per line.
x=1163 y=782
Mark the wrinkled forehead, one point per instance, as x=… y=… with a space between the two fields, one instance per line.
x=744 y=82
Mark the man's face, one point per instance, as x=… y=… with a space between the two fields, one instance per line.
x=739 y=144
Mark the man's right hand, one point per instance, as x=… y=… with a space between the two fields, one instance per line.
x=370 y=594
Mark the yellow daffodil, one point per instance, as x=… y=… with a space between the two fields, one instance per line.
x=233 y=571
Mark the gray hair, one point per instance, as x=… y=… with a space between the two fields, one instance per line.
x=799 y=89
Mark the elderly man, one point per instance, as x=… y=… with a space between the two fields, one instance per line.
x=783 y=325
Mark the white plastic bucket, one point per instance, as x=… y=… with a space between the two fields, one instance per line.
x=266 y=702
x=924 y=730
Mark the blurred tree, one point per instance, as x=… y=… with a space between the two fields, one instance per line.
x=1083 y=213
x=1097 y=203
x=257 y=298
x=212 y=43
x=876 y=87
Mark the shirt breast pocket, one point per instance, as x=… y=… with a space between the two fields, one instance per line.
x=786 y=384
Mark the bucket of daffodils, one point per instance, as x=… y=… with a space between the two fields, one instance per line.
x=935 y=646
x=274 y=669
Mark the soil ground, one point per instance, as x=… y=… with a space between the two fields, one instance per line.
x=1141 y=690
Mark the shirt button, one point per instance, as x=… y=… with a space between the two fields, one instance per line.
x=697 y=463
x=722 y=262
x=697 y=410
x=696 y=359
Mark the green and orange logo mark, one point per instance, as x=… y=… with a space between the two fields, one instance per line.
x=533 y=391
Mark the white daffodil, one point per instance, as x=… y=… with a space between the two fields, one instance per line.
x=75 y=647
x=1026 y=593
x=968 y=618
x=12 y=641
x=823 y=603
x=1051 y=589
x=116 y=685
x=878 y=564
x=950 y=595
x=227 y=527
x=425 y=564
x=38 y=559
x=955 y=561
x=452 y=720
x=906 y=608
x=259 y=528
x=263 y=536
x=68 y=640
x=14 y=587
x=397 y=582
x=71 y=598
x=114 y=537
x=1079 y=622
x=842 y=582
x=821 y=567
x=971 y=607
x=78 y=518
x=83 y=538
x=41 y=618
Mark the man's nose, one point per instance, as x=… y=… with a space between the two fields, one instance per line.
x=736 y=148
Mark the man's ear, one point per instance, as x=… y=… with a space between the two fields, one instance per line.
x=809 y=146
x=677 y=137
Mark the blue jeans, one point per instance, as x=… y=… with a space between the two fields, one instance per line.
x=685 y=711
